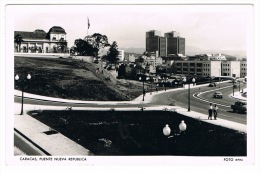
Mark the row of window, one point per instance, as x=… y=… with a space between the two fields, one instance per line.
x=225 y=64
x=205 y=69
x=191 y=64
x=185 y=70
x=226 y=69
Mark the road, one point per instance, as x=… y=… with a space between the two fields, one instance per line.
x=200 y=103
x=180 y=97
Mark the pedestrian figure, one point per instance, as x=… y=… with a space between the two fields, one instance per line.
x=156 y=89
x=210 y=111
x=215 y=111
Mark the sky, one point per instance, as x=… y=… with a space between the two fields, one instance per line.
x=210 y=27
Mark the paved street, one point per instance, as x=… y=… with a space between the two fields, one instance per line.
x=154 y=101
x=201 y=103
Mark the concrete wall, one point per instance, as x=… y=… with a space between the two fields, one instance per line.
x=88 y=59
x=47 y=55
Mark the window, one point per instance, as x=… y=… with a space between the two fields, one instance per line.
x=54 y=37
x=199 y=65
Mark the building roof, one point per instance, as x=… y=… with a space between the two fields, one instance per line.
x=37 y=34
x=57 y=29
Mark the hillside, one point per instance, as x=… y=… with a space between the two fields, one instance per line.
x=73 y=79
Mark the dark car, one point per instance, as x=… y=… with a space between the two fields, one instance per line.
x=213 y=84
x=239 y=106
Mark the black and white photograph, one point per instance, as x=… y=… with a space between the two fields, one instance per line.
x=130 y=84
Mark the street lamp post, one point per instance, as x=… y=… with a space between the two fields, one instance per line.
x=219 y=78
x=233 y=88
x=193 y=81
x=143 y=78
x=239 y=85
x=22 y=81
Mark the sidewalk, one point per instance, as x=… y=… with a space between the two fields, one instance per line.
x=57 y=144
x=240 y=95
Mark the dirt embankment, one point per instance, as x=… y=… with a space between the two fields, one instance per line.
x=73 y=79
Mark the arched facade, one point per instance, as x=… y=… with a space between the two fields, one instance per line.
x=39 y=41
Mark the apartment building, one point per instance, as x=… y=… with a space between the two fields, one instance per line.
x=121 y=55
x=211 y=68
x=198 y=68
x=154 y=61
x=231 y=68
x=243 y=69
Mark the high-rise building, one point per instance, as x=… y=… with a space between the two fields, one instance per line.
x=153 y=41
x=170 y=44
x=163 y=46
x=171 y=34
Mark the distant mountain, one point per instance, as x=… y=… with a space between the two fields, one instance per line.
x=192 y=50
x=134 y=50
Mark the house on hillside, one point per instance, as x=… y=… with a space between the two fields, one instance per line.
x=38 y=41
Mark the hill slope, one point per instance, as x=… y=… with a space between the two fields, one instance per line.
x=73 y=79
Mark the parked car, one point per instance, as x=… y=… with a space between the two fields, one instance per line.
x=239 y=106
x=218 y=94
x=213 y=84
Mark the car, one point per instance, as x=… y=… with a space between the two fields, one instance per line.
x=213 y=84
x=239 y=106
x=218 y=94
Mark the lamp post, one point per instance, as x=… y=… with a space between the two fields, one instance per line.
x=193 y=81
x=239 y=85
x=22 y=81
x=233 y=88
x=219 y=78
x=167 y=130
x=143 y=78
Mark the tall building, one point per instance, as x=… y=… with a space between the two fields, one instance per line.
x=163 y=46
x=153 y=41
x=170 y=44
x=171 y=34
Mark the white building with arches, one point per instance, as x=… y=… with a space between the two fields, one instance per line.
x=38 y=41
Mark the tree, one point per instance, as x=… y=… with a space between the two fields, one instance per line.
x=140 y=59
x=82 y=47
x=113 y=53
x=122 y=71
x=97 y=41
x=18 y=39
x=146 y=53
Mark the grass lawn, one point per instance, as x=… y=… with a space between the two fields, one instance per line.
x=140 y=133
